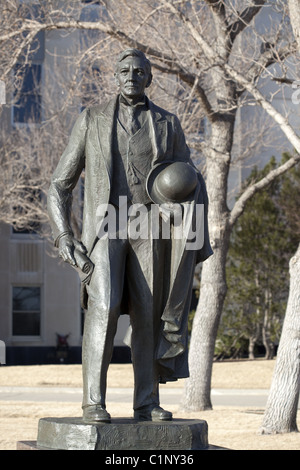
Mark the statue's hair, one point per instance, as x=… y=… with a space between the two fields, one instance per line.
x=134 y=53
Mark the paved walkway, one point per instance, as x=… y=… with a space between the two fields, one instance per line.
x=220 y=397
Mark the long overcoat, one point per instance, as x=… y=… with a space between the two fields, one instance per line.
x=90 y=149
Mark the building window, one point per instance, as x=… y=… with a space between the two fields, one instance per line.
x=26 y=311
x=33 y=229
x=28 y=94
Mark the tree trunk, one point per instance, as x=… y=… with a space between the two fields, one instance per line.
x=252 y=343
x=204 y=332
x=281 y=409
x=294 y=7
x=266 y=327
x=213 y=278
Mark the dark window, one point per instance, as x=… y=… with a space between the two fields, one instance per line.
x=28 y=97
x=26 y=311
x=32 y=230
x=35 y=50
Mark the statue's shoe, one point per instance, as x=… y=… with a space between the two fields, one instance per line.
x=155 y=413
x=95 y=413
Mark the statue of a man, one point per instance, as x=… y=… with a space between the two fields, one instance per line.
x=128 y=148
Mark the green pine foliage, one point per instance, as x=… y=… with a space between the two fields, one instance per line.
x=262 y=243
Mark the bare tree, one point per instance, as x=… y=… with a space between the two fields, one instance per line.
x=28 y=157
x=22 y=182
x=214 y=58
x=281 y=410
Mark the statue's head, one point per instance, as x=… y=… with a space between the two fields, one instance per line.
x=133 y=73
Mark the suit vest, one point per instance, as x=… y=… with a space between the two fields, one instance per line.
x=132 y=161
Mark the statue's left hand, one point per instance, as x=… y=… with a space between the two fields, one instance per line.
x=66 y=249
x=67 y=245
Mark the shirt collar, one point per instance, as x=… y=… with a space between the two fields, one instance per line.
x=124 y=101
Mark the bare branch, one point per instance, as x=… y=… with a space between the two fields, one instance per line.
x=209 y=52
x=269 y=57
x=220 y=20
x=250 y=191
x=193 y=81
x=267 y=106
x=244 y=19
x=218 y=7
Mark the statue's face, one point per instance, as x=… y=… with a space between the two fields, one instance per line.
x=132 y=77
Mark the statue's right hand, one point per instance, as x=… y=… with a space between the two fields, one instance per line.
x=66 y=249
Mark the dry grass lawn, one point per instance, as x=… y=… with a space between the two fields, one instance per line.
x=231 y=427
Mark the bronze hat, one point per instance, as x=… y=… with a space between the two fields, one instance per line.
x=173 y=182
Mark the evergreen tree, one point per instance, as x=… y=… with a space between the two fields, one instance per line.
x=262 y=243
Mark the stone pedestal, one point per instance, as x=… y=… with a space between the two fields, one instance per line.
x=122 y=434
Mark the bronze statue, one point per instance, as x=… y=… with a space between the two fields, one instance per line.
x=135 y=157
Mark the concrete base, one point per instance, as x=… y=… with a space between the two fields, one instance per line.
x=120 y=434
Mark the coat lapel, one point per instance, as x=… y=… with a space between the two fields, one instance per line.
x=105 y=124
x=158 y=125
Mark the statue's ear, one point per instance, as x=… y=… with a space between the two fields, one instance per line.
x=149 y=80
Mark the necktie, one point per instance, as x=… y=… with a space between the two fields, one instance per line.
x=133 y=127
x=133 y=124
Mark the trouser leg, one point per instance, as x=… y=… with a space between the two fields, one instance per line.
x=104 y=298
x=139 y=272
x=146 y=323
